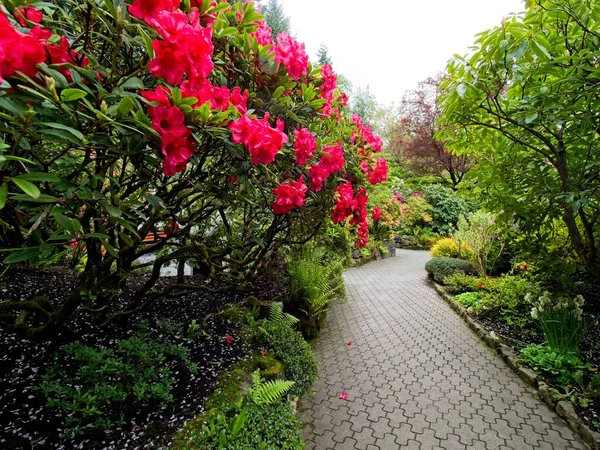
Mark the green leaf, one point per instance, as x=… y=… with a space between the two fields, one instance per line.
x=68 y=95
x=40 y=176
x=29 y=188
x=65 y=223
x=278 y=92
x=461 y=90
x=3 y=194
x=43 y=198
x=112 y=210
x=531 y=117
x=76 y=226
x=133 y=83
x=22 y=255
x=60 y=126
x=95 y=236
x=4 y=158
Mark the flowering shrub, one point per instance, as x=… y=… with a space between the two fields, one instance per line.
x=117 y=122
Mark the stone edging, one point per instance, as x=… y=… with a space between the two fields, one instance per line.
x=563 y=408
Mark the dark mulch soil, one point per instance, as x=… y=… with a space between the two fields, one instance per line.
x=590 y=353
x=27 y=423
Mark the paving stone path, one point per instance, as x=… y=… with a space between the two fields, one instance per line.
x=416 y=376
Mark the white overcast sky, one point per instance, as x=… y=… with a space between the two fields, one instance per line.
x=391 y=45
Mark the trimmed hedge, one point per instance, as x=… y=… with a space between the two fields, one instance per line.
x=440 y=268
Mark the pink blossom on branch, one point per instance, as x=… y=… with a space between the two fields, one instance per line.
x=147 y=10
x=289 y=196
x=18 y=52
x=304 y=145
x=292 y=55
x=260 y=139
x=376 y=214
x=380 y=173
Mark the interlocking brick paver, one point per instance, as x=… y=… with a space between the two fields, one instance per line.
x=416 y=376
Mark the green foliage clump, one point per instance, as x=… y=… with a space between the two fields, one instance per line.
x=315 y=282
x=481 y=234
x=460 y=283
x=447 y=208
x=260 y=419
x=289 y=346
x=451 y=248
x=97 y=386
x=440 y=268
x=561 y=321
x=565 y=368
x=469 y=299
x=252 y=426
x=507 y=300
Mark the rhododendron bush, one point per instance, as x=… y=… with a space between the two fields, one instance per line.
x=180 y=121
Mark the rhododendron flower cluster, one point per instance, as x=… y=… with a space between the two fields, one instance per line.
x=177 y=144
x=328 y=87
x=263 y=34
x=332 y=161
x=219 y=97
x=380 y=173
x=262 y=141
x=28 y=14
x=18 y=52
x=366 y=134
x=289 y=196
x=304 y=145
x=349 y=203
x=186 y=48
x=292 y=55
x=345 y=202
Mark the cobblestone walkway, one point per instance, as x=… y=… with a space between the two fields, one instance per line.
x=416 y=376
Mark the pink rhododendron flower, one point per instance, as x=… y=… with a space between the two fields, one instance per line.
x=349 y=343
x=31 y=14
x=18 y=52
x=363 y=235
x=304 y=145
x=263 y=34
x=292 y=55
x=344 y=396
x=159 y=95
x=328 y=87
x=186 y=48
x=260 y=139
x=331 y=162
x=360 y=211
x=229 y=339
x=147 y=10
x=376 y=214
x=239 y=100
x=380 y=173
x=177 y=154
x=62 y=54
x=289 y=196
x=344 y=202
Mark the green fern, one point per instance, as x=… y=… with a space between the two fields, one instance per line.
x=267 y=392
x=277 y=315
x=315 y=282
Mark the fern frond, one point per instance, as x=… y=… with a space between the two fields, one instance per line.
x=269 y=392
x=276 y=315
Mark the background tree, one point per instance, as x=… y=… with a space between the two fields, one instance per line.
x=276 y=18
x=323 y=55
x=364 y=104
x=414 y=136
x=525 y=102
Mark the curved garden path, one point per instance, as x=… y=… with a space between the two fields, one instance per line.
x=416 y=376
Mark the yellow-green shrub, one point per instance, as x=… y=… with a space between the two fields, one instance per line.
x=447 y=247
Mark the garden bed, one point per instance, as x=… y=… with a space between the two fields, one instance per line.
x=23 y=412
x=584 y=421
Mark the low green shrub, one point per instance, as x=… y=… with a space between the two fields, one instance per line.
x=507 y=300
x=289 y=346
x=460 y=283
x=99 y=386
x=249 y=427
x=565 y=369
x=469 y=299
x=440 y=268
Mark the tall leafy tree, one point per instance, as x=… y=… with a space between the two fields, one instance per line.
x=525 y=102
x=414 y=137
x=364 y=104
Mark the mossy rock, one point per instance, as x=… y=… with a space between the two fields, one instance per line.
x=270 y=367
